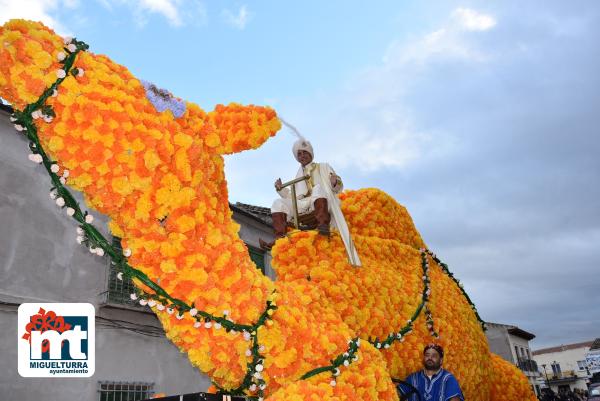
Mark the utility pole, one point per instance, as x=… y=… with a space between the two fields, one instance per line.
x=546 y=374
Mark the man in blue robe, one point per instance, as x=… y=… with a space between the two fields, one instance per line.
x=432 y=383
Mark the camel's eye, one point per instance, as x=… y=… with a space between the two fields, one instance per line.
x=163 y=100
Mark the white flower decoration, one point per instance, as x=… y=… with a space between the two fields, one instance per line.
x=333 y=383
x=127 y=252
x=133 y=297
x=60 y=202
x=79 y=239
x=120 y=276
x=259 y=368
x=89 y=218
x=99 y=251
x=70 y=211
x=61 y=73
x=143 y=302
x=66 y=173
x=54 y=168
x=71 y=47
x=160 y=307
x=197 y=324
x=208 y=325
x=193 y=312
x=152 y=303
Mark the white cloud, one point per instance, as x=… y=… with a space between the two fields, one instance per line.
x=472 y=20
x=71 y=4
x=167 y=8
x=177 y=12
x=449 y=41
x=36 y=10
x=371 y=124
x=239 y=20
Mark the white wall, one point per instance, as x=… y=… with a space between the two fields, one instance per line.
x=568 y=362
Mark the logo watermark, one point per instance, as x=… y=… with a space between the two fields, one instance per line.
x=56 y=340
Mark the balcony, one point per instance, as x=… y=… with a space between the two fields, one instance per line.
x=528 y=365
x=566 y=377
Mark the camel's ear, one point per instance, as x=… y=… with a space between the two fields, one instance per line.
x=28 y=60
x=238 y=128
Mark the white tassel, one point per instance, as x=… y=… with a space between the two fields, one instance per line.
x=294 y=129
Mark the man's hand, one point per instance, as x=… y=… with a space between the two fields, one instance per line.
x=278 y=184
x=333 y=179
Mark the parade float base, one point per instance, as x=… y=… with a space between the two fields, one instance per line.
x=199 y=397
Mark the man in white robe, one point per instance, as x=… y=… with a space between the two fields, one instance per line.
x=317 y=193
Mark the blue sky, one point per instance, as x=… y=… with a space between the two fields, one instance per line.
x=480 y=117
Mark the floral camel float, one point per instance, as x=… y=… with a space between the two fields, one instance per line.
x=153 y=164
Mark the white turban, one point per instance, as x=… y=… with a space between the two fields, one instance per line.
x=302 y=144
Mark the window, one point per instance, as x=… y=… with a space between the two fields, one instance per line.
x=257 y=256
x=119 y=291
x=582 y=365
x=125 y=391
x=556 y=369
x=517 y=353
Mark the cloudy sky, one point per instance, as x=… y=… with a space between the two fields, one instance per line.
x=481 y=117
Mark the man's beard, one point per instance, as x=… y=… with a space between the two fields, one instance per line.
x=431 y=365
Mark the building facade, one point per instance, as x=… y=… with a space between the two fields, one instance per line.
x=512 y=344
x=564 y=366
x=592 y=360
x=40 y=261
